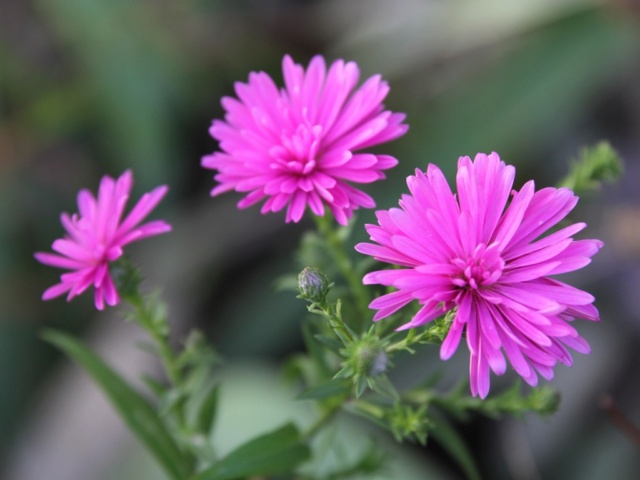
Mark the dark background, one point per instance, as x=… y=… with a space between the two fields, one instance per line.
x=92 y=87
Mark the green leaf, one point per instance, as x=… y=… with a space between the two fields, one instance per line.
x=172 y=401
x=595 y=165
x=371 y=411
x=273 y=453
x=134 y=410
x=382 y=385
x=315 y=351
x=206 y=409
x=328 y=389
x=157 y=388
x=330 y=342
x=453 y=443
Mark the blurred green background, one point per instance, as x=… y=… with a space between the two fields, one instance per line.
x=89 y=87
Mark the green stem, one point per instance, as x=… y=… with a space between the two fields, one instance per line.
x=334 y=319
x=158 y=329
x=145 y=317
x=335 y=243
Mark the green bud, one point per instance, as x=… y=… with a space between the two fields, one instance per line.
x=368 y=357
x=313 y=285
x=409 y=423
x=365 y=363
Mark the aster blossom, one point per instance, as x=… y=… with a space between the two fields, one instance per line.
x=485 y=256
x=296 y=146
x=96 y=237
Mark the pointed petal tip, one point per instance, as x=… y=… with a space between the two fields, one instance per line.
x=379 y=316
x=46 y=296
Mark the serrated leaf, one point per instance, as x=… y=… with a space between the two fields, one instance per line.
x=135 y=411
x=454 y=444
x=328 y=389
x=273 y=453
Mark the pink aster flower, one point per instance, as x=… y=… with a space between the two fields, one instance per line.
x=491 y=260
x=295 y=147
x=96 y=237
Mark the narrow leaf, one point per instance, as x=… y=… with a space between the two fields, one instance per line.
x=333 y=344
x=382 y=385
x=328 y=389
x=317 y=353
x=134 y=410
x=154 y=386
x=273 y=453
x=206 y=410
x=453 y=443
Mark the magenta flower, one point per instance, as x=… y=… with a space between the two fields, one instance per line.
x=295 y=146
x=96 y=237
x=488 y=261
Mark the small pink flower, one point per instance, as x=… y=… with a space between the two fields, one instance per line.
x=491 y=262
x=96 y=237
x=296 y=146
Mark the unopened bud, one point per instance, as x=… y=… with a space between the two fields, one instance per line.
x=369 y=358
x=313 y=285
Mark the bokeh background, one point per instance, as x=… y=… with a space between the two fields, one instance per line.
x=89 y=87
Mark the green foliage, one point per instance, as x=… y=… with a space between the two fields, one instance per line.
x=432 y=333
x=362 y=361
x=330 y=389
x=277 y=452
x=365 y=362
x=177 y=432
x=408 y=422
x=371 y=461
x=454 y=444
x=595 y=165
x=512 y=401
x=135 y=411
x=204 y=408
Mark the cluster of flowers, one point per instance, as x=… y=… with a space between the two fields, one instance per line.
x=483 y=253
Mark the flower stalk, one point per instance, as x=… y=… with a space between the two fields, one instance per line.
x=336 y=245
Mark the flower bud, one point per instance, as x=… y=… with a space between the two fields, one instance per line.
x=367 y=357
x=408 y=423
x=313 y=285
x=370 y=359
x=366 y=362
